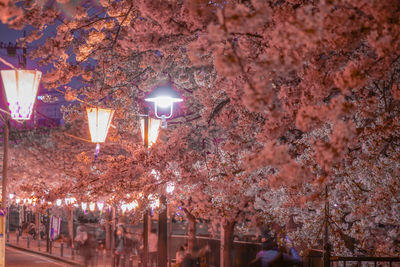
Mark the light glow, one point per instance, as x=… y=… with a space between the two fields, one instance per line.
x=100 y=205
x=11 y=196
x=99 y=123
x=17 y=200
x=92 y=206
x=154 y=128
x=21 y=87
x=84 y=206
x=59 y=202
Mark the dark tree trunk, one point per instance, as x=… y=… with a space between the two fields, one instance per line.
x=227 y=243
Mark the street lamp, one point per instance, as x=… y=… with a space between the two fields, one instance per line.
x=99 y=123
x=163 y=97
x=20 y=88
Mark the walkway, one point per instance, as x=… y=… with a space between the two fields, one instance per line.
x=59 y=251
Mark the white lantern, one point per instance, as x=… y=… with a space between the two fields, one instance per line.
x=154 y=128
x=170 y=188
x=11 y=196
x=124 y=207
x=100 y=205
x=21 y=87
x=59 y=202
x=92 y=206
x=99 y=123
x=83 y=206
x=17 y=200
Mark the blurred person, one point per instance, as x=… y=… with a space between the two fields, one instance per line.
x=179 y=256
x=191 y=258
x=119 y=245
x=81 y=236
x=153 y=247
x=31 y=230
x=88 y=250
x=271 y=256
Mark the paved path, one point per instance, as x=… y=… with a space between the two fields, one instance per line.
x=18 y=258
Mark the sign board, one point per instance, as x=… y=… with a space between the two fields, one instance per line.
x=55 y=226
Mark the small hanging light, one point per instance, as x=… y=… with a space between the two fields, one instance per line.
x=99 y=123
x=21 y=87
x=59 y=202
x=100 y=205
x=84 y=206
x=17 y=200
x=124 y=207
x=92 y=206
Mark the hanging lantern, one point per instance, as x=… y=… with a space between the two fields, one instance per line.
x=21 y=87
x=67 y=201
x=59 y=202
x=100 y=205
x=124 y=207
x=11 y=196
x=154 y=128
x=83 y=206
x=92 y=206
x=29 y=201
x=17 y=200
x=99 y=123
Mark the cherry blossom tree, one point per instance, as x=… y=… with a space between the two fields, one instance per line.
x=282 y=98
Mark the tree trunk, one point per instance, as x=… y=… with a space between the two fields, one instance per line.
x=191 y=230
x=71 y=225
x=108 y=231
x=227 y=244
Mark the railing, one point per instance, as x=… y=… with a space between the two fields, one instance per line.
x=360 y=260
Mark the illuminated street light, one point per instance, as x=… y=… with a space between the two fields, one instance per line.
x=163 y=97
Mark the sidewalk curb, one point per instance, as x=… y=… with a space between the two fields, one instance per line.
x=45 y=255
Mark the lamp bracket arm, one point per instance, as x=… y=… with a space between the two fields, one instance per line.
x=165 y=117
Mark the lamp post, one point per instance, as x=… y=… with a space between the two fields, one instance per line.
x=163 y=97
x=21 y=87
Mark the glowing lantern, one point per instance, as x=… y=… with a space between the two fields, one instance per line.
x=92 y=206
x=67 y=201
x=59 y=202
x=11 y=196
x=17 y=200
x=154 y=127
x=29 y=201
x=83 y=205
x=124 y=208
x=21 y=87
x=100 y=205
x=99 y=123
x=163 y=97
x=170 y=188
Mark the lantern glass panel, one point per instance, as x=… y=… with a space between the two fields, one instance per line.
x=21 y=87
x=99 y=123
x=154 y=128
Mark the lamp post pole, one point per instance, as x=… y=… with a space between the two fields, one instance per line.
x=4 y=192
x=146 y=214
